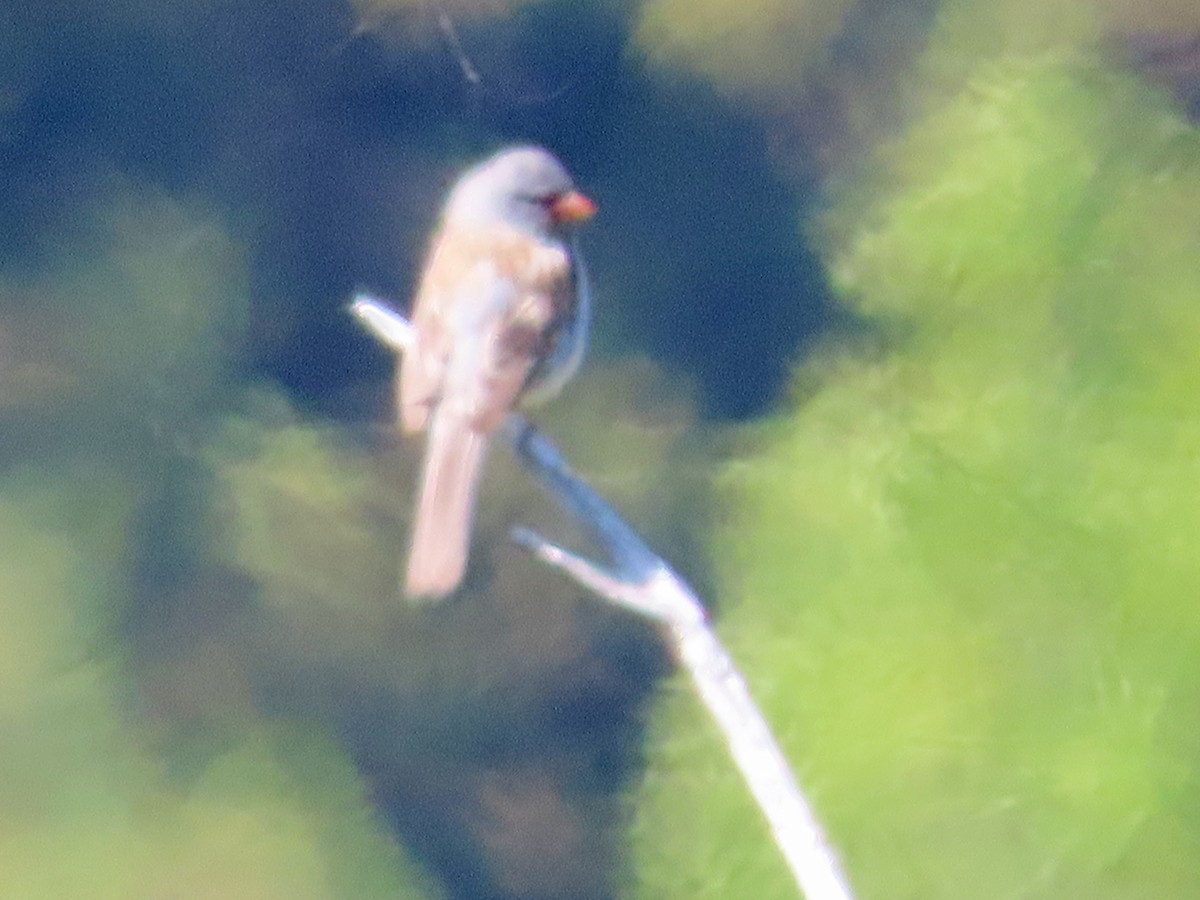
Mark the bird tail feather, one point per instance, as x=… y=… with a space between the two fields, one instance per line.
x=442 y=530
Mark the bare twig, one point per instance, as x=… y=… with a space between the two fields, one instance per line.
x=450 y=33
x=472 y=76
x=389 y=326
x=643 y=582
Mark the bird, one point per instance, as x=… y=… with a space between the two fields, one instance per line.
x=500 y=319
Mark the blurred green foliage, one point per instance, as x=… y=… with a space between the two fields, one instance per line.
x=493 y=724
x=134 y=300
x=131 y=325
x=961 y=569
x=89 y=806
x=756 y=46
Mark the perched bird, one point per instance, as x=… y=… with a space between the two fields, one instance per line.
x=500 y=317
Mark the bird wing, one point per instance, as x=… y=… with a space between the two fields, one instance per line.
x=491 y=305
x=452 y=272
x=525 y=335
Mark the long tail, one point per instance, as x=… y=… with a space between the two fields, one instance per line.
x=442 y=530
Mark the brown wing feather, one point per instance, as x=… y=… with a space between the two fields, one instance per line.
x=530 y=325
x=423 y=365
x=460 y=269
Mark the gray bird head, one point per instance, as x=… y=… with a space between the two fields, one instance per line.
x=522 y=187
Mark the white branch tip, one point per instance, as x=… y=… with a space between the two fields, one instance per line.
x=387 y=324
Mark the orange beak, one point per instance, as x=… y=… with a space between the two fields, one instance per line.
x=572 y=207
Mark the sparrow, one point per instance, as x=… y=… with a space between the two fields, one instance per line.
x=500 y=318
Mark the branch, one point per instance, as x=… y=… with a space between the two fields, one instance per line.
x=389 y=326
x=643 y=582
x=446 y=24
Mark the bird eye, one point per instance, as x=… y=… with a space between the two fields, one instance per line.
x=543 y=200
